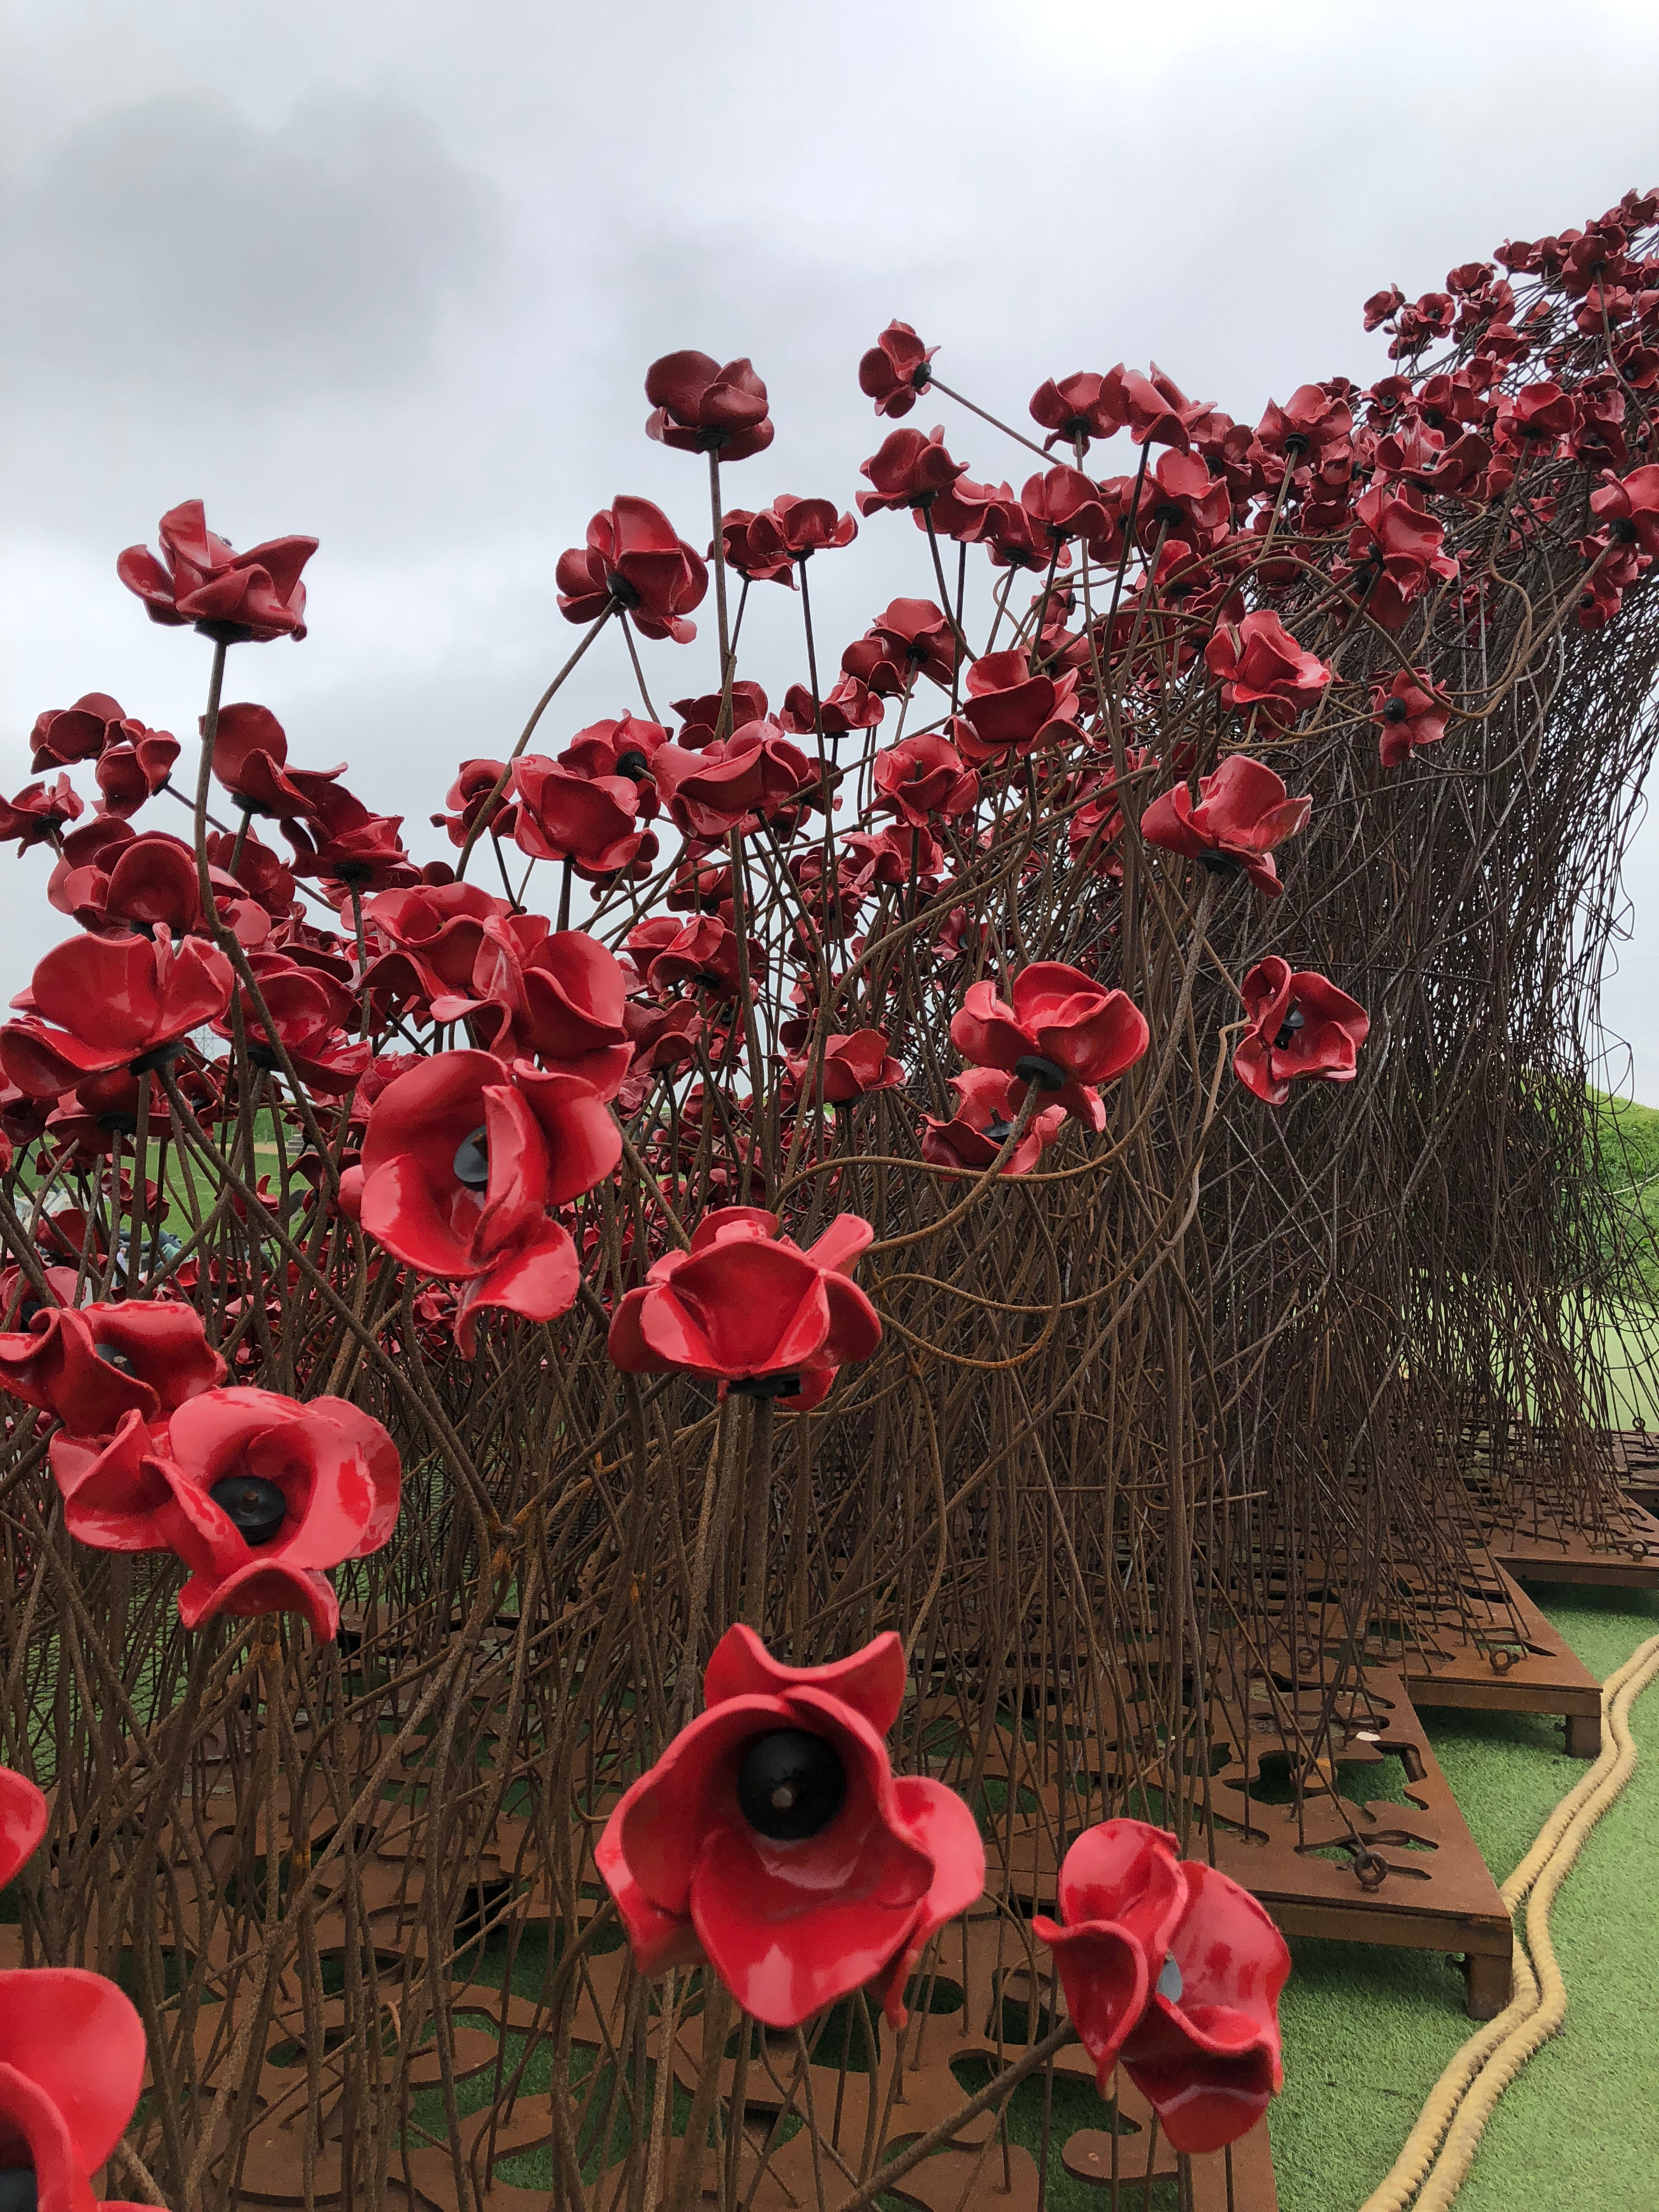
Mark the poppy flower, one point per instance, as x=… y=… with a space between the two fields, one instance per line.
x=1409 y=712
x=745 y=1304
x=231 y=596
x=433 y=936
x=847 y=705
x=1300 y=1025
x=250 y=759
x=753 y=776
x=1076 y=409
x=626 y=746
x=39 y=813
x=793 y=529
x=470 y=794
x=1629 y=506
x=128 y=773
x=700 y=716
x=119 y=1002
x=586 y=819
x=1242 y=812
x=72 y=2057
x=1063 y=503
x=908 y=471
x=63 y=735
x=983 y=1121
x=773 y=1839
x=852 y=1067
x=1181 y=499
x=1159 y=411
x=894 y=369
x=741 y=550
x=702 y=408
x=308 y=1014
x=898 y=857
x=256 y=1492
x=462 y=1159
x=90 y=1365
x=1177 y=1971
x=1009 y=710
x=1382 y=306
x=633 y=560
x=663 y=1037
x=351 y=849
x=22 y=1822
x=557 y=994
x=702 y=952
x=1399 y=546
x=1063 y=1032
x=912 y=636
x=1260 y=665
x=920 y=777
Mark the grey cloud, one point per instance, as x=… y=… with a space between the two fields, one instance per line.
x=179 y=249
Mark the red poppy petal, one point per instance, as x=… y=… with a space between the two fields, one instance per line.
x=77 y=2038
x=870 y=1681
x=22 y=1821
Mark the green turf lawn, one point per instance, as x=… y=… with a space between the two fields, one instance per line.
x=1367 y=2031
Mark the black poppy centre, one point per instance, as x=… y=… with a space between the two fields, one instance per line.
x=1293 y=1021
x=791 y=1785
x=257 y=1509
x=19 y=2192
x=471 y=1161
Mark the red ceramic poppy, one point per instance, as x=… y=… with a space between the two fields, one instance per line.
x=1010 y=711
x=746 y=1304
x=462 y=1159
x=232 y=596
x=557 y=994
x=754 y=562
x=1242 y=812
x=633 y=560
x=39 y=812
x=63 y=735
x=266 y=1494
x=71 y=2065
x=1628 y=505
x=1063 y=1032
x=1300 y=1025
x=771 y=1838
x=908 y=471
x=626 y=747
x=913 y=636
x=1396 y=546
x=920 y=777
x=1176 y=1969
x=894 y=369
x=351 y=849
x=1075 y=408
x=91 y=1365
x=1260 y=665
x=472 y=793
x=434 y=936
x=703 y=953
x=793 y=529
x=118 y=1002
x=746 y=703
x=847 y=705
x=307 y=1015
x=702 y=408
x=852 y=1068
x=588 y=819
x=129 y=773
x=1408 y=712
x=22 y=1822
x=982 y=1123
x=250 y=759
x=758 y=773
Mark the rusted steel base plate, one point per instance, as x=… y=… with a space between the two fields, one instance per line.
x=1543 y=1548
x=1635 y=1460
x=1501 y=1671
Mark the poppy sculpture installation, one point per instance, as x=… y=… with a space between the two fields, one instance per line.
x=660 y=1468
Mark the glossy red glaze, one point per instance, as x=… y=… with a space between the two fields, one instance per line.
x=1326 y=1045
x=789 y=1927
x=1242 y=812
x=22 y=1822
x=1060 y=1015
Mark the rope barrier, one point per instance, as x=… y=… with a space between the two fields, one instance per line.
x=1440 y=2148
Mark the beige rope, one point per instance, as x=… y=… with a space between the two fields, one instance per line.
x=1457 y=2110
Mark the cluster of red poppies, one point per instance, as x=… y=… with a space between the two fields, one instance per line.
x=526 y=1115
x=773 y=1842
x=72 y=2054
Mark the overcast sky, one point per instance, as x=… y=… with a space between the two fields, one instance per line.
x=391 y=274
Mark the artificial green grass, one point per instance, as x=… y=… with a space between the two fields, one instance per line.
x=1367 y=2029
